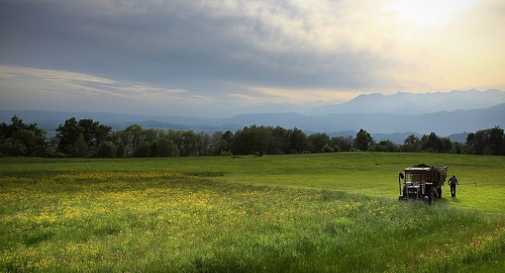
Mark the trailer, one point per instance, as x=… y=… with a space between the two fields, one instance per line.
x=421 y=182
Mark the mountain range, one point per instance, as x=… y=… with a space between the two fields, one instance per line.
x=414 y=104
x=392 y=117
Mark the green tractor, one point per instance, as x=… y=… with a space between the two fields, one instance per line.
x=421 y=182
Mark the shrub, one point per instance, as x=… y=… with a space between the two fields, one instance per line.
x=328 y=149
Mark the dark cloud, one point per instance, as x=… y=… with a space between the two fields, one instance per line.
x=167 y=45
x=217 y=48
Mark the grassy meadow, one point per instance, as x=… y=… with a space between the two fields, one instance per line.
x=334 y=212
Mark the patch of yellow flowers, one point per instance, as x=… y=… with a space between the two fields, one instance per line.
x=77 y=219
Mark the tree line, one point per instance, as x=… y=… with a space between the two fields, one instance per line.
x=89 y=138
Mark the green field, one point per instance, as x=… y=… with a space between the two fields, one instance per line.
x=335 y=212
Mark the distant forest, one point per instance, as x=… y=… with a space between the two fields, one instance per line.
x=89 y=138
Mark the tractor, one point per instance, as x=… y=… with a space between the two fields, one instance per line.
x=421 y=182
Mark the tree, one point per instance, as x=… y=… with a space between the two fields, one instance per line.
x=143 y=149
x=67 y=136
x=342 y=144
x=20 y=139
x=251 y=140
x=202 y=143
x=176 y=136
x=107 y=149
x=228 y=136
x=214 y=141
x=458 y=148
x=188 y=143
x=86 y=128
x=166 y=148
x=497 y=141
x=132 y=136
x=13 y=147
x=386 y=146
x=153 y=148
x=117 y=137
x=80 y=148
x=92 y=133
x=121 y=150
x=433 y=143
x=319 y=141
x=297 y=141
x=150 y=135
x=220 y=142
x=101 y=133
x=488 y=141
x=446 y=145
x=411 y=144
x=279 y=142
x=363 y=140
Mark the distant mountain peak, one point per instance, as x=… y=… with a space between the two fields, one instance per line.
x=371 y=95
x=409 y=103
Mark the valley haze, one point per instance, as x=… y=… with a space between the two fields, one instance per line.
x=394 y=117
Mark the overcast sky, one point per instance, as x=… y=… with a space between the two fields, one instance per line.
x=223 y=57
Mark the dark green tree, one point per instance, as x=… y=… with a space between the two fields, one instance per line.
x=13 y=147
x=217 y=143
x=386 y=146
x=121 y=150
x=279 y=142
x=80 y=148
x=318 y=141
x=433 y=143
x=202 y=144
x=107 y=149
x=154 y=149
x=458 y=148
x=188 y=143
x=342 y=144
x=20 y=139
x=363 y=140
x=298 y=142
x=488 y=141
x=166 y=148
x=411 y=144
x=176 y=136
x=67 y=135
x=132 y=136
x=143 y=149
x=92 y=133
x=251 y=140
x=446 y=145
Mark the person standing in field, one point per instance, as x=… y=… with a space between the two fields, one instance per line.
x=453 y=181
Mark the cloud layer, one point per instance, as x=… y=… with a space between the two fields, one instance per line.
x=225 y=56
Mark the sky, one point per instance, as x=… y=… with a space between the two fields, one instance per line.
x=218 y=58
